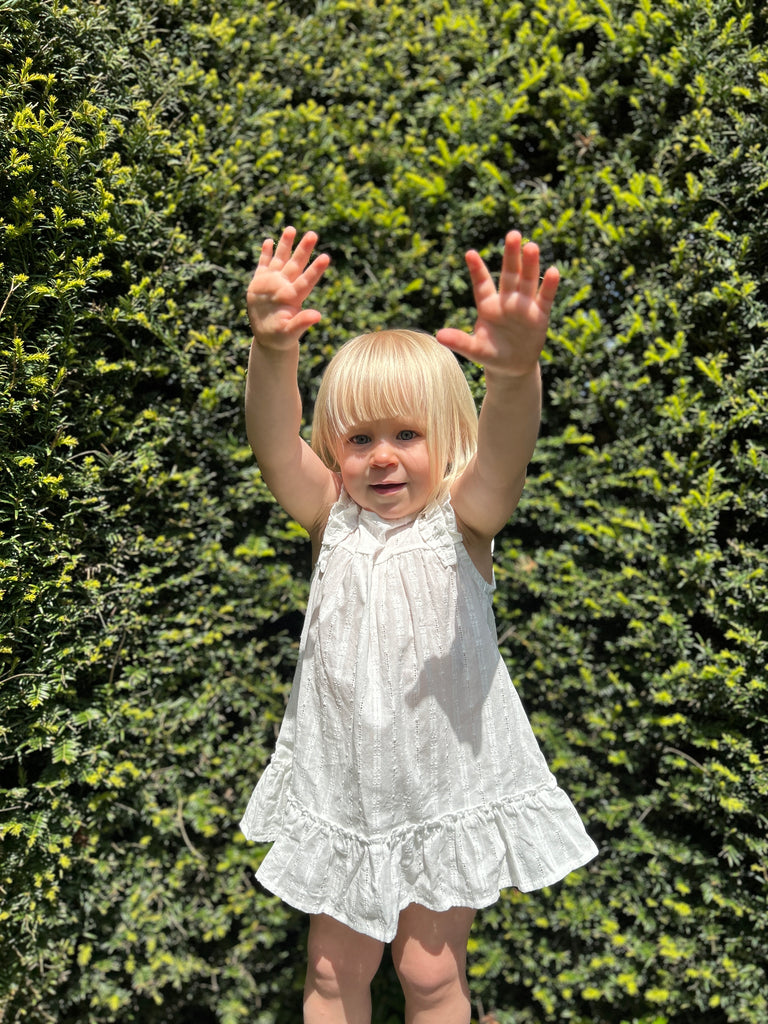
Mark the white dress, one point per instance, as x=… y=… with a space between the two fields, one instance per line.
x=406 y=770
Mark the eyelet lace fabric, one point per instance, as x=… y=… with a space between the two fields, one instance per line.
x=406 y=770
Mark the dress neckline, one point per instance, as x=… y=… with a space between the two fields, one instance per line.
x=368 y=516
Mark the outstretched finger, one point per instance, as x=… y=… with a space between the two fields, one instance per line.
x=304 y=249
x=265 y=256
x=480 y=277
x=510 y=262
x=529 y=274
x=303 y=321
x=309 y=278
x=296 y=265
x=460 y=342
x=548 y=289
x=284 y=246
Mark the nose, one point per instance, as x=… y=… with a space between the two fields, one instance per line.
x=383 y=454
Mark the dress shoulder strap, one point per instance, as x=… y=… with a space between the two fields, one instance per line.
x=438 y=529
x=342 y=520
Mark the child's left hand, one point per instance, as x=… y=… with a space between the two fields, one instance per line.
x=511 y=326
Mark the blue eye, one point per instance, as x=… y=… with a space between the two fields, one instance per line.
x=407 y=435
x=359 y=439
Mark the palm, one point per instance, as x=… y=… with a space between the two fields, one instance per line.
x=282 y=283
x=511 y=325
x=274 y=301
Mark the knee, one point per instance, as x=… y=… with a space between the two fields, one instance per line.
x=325 y=974
x=427 y=976
x=332 y=974
x=336 y=965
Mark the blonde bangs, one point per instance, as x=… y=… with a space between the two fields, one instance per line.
x=405 y=375
x=376 y=376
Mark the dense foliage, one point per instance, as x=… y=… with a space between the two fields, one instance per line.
x=152 y=591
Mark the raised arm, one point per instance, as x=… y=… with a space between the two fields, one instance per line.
x=282 y=283
x=507 y=340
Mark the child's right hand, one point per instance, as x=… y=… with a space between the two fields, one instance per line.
x=282 y=283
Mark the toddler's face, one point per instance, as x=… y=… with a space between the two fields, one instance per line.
x=384 y=466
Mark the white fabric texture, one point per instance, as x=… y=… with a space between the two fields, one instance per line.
x=406 y=770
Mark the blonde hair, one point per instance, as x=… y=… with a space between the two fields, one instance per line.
x=399 y=374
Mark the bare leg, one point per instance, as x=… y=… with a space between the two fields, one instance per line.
x=341 y=965
x=430 y=957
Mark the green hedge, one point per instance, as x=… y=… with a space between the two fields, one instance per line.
x=152 y=591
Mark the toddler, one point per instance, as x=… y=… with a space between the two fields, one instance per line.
x=407 y=787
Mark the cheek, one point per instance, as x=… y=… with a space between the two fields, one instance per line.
x=343 y=458
x=349 y=466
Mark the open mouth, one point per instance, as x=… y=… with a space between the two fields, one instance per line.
x=387 y=488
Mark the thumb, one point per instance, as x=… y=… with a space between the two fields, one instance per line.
x=303 y=321
x=458 y=341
